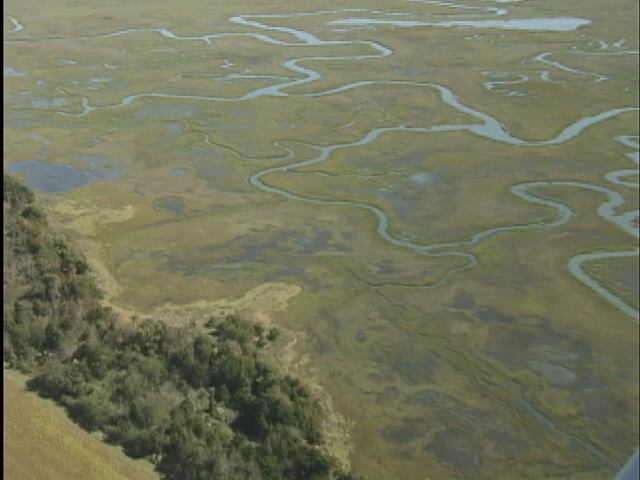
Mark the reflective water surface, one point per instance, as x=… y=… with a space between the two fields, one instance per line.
x=459 y=205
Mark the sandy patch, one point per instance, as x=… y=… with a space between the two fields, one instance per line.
x=254 y=306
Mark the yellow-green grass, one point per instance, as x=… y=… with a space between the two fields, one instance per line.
x=41 y=443
x=367 y=344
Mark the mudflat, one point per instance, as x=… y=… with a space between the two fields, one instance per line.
x=450 y=187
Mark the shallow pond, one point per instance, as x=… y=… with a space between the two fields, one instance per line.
x=453 y=185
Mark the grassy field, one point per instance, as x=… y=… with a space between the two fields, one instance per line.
x=41 y=443
x=491 y=374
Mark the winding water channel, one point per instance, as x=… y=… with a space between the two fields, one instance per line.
x=298 y=62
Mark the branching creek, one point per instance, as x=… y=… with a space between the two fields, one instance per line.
x=298 y=82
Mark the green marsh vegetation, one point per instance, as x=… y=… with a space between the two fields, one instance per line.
x=199 y=403
x=491 y=374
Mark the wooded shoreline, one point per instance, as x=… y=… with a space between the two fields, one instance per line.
x=199 y=403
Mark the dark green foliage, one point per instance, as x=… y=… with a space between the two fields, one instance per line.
x=33 y=214
x=200 y=405
x=16 y=195
x=48 y=286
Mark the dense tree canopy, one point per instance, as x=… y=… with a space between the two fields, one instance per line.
x=199 y=404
